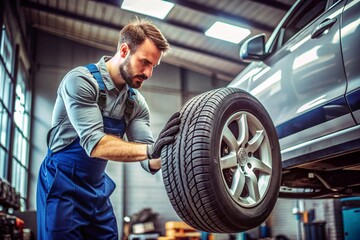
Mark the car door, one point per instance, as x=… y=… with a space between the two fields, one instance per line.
x=302 y=82
x=350 y=35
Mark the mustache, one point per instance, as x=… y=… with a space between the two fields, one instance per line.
x=143 y=76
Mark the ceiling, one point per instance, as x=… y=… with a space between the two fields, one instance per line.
x=97 y=23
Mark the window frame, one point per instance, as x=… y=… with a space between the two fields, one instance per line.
x=276 y=41
x=14 y=162
x=6 y=105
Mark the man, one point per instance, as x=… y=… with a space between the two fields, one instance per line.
x=95 y=106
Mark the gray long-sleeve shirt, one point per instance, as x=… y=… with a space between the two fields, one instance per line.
x=77 y=113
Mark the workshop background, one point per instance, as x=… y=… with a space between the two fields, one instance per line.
x=43 y=39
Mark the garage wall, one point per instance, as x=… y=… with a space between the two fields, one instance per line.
x=168 y=89
x=282 y=221
x=328 y=210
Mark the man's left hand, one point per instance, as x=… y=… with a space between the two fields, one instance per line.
x=166 y=136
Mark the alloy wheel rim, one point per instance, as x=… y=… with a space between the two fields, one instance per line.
x=245 y=159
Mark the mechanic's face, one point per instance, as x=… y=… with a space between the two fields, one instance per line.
x=138 y=66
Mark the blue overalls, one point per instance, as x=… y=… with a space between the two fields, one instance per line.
x=73 y=188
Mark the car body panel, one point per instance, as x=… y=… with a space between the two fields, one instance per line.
x=350 y=36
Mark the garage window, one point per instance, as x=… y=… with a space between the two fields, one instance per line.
x=6 y=81
x=15 y=103
x=20 y=161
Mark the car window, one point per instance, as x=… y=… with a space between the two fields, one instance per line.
x=304 y=14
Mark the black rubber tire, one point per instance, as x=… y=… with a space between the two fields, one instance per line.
x=190 y=167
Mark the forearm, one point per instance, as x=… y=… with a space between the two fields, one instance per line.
x=113 y=148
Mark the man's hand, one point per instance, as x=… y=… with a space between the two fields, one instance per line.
x=166 y=136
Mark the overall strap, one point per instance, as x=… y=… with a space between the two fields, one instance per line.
x=130 y=104
x=96 y=74
x=130 y=100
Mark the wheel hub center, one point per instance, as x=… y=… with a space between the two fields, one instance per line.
x=242 y=156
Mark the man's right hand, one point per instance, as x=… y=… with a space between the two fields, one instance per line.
x=166 y=136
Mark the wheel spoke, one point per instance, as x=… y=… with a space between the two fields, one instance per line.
x=228 y=161
x=243 y=130
x=259 y=165
x=238 y=183
x=252 y=184
x=230 y=139
x=256 y=141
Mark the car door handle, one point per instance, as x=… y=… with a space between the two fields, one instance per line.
x=322 y=27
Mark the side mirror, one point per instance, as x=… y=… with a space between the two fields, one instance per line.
x=253 y=49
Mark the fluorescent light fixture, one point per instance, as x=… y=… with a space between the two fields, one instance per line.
x=153 y=8
x=227 y=32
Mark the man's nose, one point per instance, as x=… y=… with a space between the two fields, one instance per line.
x=148 y=72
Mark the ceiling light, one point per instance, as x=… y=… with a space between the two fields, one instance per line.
x=227 y=32
x=153 y=8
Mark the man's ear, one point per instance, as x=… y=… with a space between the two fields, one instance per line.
x=124 y=50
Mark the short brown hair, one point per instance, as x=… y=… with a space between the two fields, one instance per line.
x=137 y=31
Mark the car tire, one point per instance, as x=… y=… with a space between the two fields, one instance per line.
x=222 y=173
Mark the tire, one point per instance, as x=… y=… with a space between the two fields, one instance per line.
x=200 y=182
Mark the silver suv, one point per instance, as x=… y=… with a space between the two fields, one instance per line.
x=307 y=76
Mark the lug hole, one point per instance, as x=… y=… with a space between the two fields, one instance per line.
x=249 y=154
x=249 y=165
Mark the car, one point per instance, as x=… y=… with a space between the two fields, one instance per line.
x=286 y=126
x=307 y=76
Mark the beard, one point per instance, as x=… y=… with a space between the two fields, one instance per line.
x=127 y=74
